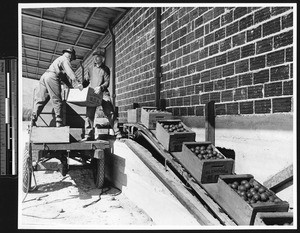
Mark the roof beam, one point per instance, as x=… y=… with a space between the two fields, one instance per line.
x=36 y=67
x=117 y=9
x=28 y=73
x=63 y=24
x=55 y=41
x=46 y=52
x=35 y=59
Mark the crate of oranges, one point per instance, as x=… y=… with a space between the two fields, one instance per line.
x=242 y=197
x=172 y=133
x=204 y=161
x=150 y=115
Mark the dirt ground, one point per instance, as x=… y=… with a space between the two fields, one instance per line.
x=59 y=202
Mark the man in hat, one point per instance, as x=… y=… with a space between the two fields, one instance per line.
x=50 y=86
x=98 y=78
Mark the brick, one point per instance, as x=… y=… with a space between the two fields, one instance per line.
x=283 y=39
x=220 y=109
x=195 y=99
x=232 y=108
x=209 y=39
x=246 y=107
x=199 y=21
x=213 y=49
x=182 y=41
x=225 y=45
x=216 y=73
x=273 y=89
x=288 y=87
x=182 y=91
x=199 y=111
x=221 y=59
x=242 y=66
x=179 y=101
x=195 y=56
x=186 y=49
x=245 y=79
x=187 y=80
x=186 y=60
x=248 y=50
x=215 y=24
x=231 y=82
x=240 y=94
x=183 y=111
x=208 y=16
x=262 y=106
x=271 y=27
x=234 y=55
x=172 y=102
x=210 y=63
x=218 y=11
x=220 y=34
x=205 y=76
x=191 y=111
x=227 y=18
x=255 y=92
x=287 y=21
x=239 y=39
x=246 y=22
x=232 y=28
x=257 y=62
x=262 y=15
x=190 y=90
x=278 y=10
x=289 y=54
x=206 y=28
x=202 y=10
x=262 y=76
x=228 y=70
x=186 y=100
x=275 y=58
x=282 y=104
x=203 y=53
x=200 y=65
x=254 y=34
x=280 y=73
x=264 y=45
x=219 y=85
x=239 y=12
x=175 y=111
x=199 y=32
x=196 y=78
x=204 y=98
x=191 y=69
x=215 y=96
x=208 y=86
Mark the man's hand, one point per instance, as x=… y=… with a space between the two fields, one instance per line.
x=80 y=87
x=97 y=90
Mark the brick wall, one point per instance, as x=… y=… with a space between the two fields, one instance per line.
x=240 y=57
x=135 y=49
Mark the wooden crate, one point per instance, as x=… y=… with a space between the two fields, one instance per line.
x=274 y=218
x=173 y=141
x=134 y=115
x=86 y=97
x=236 y=207
x=204 y=170
x=50 y=134
x=149 y=118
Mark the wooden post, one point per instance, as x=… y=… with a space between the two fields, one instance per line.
x=157 y=55
x=113 y=71
x=210 y=122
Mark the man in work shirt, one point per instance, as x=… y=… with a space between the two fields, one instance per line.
x=50 y=86
x=98 y=78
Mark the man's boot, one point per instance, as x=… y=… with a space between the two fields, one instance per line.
x=33 y=120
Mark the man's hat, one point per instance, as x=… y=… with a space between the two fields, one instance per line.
x=99 y=52
x=72 y=52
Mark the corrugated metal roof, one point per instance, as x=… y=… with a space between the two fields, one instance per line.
x=47 y=31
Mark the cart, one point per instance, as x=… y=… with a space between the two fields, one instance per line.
x=88 y=153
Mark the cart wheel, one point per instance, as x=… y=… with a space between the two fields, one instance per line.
x=27 y=171
x=99 y=170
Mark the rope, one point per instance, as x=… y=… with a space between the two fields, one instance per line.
x=103 y=191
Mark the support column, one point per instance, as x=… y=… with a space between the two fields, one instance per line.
x=113 y=71
x=157 y=55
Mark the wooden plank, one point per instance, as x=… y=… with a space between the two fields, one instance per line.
x=277 y=182
x=115 y=170
x=198 y=188
x=175 y=186
x=88 y=145
x=50 y=134
x=134 y=115
x=210 y=122
x=274 y=218
x=149 y=116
